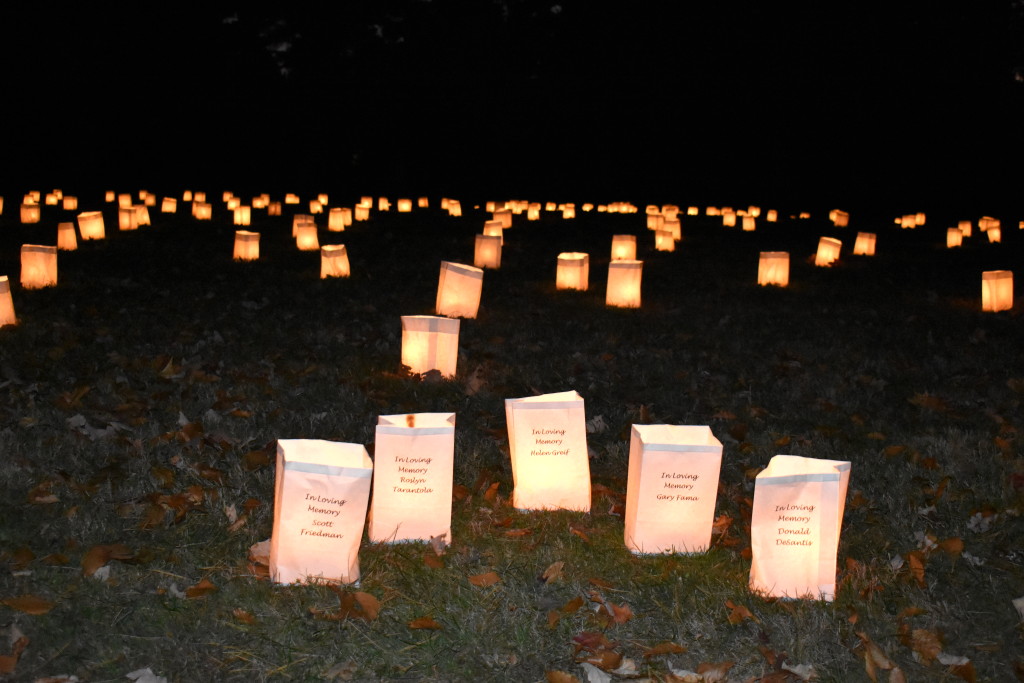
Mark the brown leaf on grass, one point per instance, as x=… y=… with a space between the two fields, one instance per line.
x=29 y=604
x=100 y=555
x=592 y=641
x=553 y=572
x=210 y=473
x=915 y=559
x=953 y=546
x=739 y=612
x=432 y=561
x=460 y=492
x=518 y=533
x=874 y=657
x=42 y=493
x=714 y=673
x=961 y=667
x=782 y=441
x=875 y=436
x=554 y=616
x=930 y=402
x=894 y=450
x=425 y=623
x=243 y=616
x=253 y=460
x=492 y=492
x=560 y=677
x=8 y=663
x=201 y=589
x=605 y=660
x=721 y=525
x=238 y=523
x=484 y=580
x=926 y=644
x=580 y=531
x=351 y=605
x=600 y=583
x=572 y=606
x=665 y=648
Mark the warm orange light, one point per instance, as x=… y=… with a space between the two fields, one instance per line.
x=90 y=224
x=430 y=343
x=458 y=290
x=623 y=247
x=487 y=252
x=996 y=290
x=865 y=244
x=773 y=268
x=247 y=246
x=828 y=251
x=67 y=240
x=573 y=271
x=333 y=261
x=7 y=316
x=38 y=266
x=624 y=279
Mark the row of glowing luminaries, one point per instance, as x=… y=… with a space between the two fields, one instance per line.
x=39 y=262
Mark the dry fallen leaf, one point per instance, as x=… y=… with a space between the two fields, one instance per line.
x=484 y=580
x=874 y=658
x=916 y=561
x=243 y=616
x=926 y=644
x=8 y=663
x=431 y=560
x=560 y=677
x=352 y=605
x=739 y=613
x=201 y=589
x=715 y=673
x=29 y=604
x=425 y=623
x=553 y=572
x=99 y=555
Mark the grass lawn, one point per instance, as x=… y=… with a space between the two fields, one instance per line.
x=143 y=395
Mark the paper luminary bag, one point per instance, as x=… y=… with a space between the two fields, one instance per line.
x=320 y=498
x=412 y=477
x=672 y=488
x=794 y=530
x=458 y=290
x=547 y=438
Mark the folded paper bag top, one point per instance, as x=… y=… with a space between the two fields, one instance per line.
x=547 y=439
x=321 y=492
x=412 y=480
x=795 y=524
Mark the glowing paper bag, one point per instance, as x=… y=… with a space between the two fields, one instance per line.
x=320 y=498
x=412 y=480
x=794 y=530
x=547 y=438
x=672 y=488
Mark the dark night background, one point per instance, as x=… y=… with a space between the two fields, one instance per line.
x=891 y=108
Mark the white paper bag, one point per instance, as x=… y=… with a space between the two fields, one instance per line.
x=672 y=488
x=320 y=497
x=458 y=290
x=547 y=438
x=412 y=477
x=794 y=530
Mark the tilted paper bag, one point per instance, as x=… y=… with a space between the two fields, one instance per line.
x=672 y=488
x=794 y=530
x=412 y=477
x=547 y=439
x=320 y=497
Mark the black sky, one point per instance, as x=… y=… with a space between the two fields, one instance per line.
x=900 y=106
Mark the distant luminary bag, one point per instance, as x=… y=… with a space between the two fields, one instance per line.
x=320 y=496
x=412 y=477
x=547 y=439
x=794 y=530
